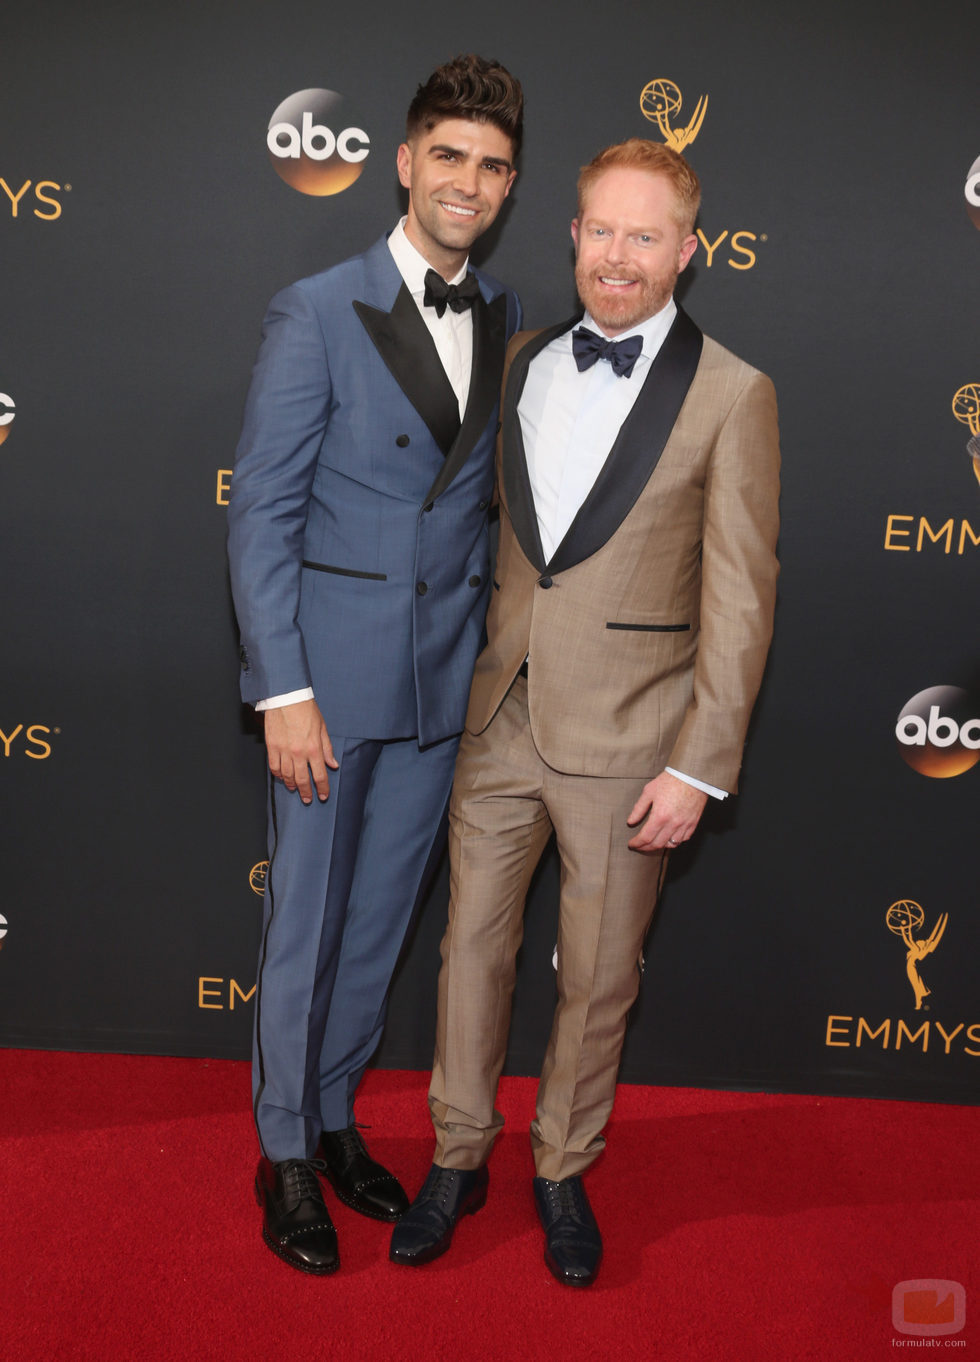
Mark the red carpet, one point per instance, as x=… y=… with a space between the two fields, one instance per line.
x=738 y=1227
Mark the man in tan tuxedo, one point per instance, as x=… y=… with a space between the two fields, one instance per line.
x=638 y=480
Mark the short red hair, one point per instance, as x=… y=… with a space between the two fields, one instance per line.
x=638 y=153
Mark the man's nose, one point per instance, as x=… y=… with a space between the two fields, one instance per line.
x=616 y=247
x=467 y=178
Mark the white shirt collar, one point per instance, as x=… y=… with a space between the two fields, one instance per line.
x=412 y=265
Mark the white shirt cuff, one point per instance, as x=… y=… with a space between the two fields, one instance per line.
x=277 y=701
x=698 y=784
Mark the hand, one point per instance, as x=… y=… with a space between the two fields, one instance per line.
x=298 y=745
x=672 y=809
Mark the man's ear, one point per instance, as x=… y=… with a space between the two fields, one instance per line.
x=404 y=163
x=575 y=232
x=688 y=246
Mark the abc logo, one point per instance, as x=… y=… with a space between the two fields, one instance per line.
x=312 y=145
x=973 y=192
x=6 y=416
x=938 y=732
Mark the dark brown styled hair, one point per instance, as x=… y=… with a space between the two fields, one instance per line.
x=469 y=87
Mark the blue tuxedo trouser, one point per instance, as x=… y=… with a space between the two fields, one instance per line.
x=345 y=877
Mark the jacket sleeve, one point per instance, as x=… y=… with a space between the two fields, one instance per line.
x=286 y=414
x=738 y=587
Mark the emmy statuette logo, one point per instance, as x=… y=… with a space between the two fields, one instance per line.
x=313 y=147
x=660 y=100
x=256 y=877
x=7 y=413
x=934 y=1039
x=3 y=929
x=966 y=408
x=905 y=918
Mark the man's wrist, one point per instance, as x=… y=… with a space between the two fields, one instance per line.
x=292 y=697
x=701 y=785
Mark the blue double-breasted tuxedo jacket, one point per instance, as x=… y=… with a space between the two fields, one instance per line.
x=358 y=510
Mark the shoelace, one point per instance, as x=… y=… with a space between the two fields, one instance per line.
x=299 y=1179
x=441 y=1186
x=350 y=1143
x=565 y=1198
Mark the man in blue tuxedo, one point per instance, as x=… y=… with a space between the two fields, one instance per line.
x=360 y=569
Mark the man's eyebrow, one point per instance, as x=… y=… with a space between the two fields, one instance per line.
x=462 y=155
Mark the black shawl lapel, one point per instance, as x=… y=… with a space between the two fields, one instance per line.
x=489 y=345
x=403 y=341
x=516 y=483
x=637 y=448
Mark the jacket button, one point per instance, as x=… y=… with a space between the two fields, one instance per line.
x=428 y=506
x=483 y=504
x=545 y=582
x=422 y=588
x=401 y=441
x=475 y=581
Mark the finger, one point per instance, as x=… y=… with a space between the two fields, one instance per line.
x=644 y=842
x=320 y=779
x=640 y=810
x=328 y=755
x=302 y=783
x=649 y=838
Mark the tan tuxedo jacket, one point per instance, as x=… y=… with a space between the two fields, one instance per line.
x=647 y=632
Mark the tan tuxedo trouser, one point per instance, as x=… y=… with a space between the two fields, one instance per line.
x=505 y=803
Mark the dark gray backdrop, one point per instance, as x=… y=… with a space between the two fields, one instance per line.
x=135 y=273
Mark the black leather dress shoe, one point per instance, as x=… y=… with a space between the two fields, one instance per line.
x=426 y=1229
x=360 y=1182
x=573 y=1245
x=296 y=1224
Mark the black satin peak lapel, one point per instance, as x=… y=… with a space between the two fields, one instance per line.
x=637 y=448
x=517 y=485
x=489 y=347
x=403 y=341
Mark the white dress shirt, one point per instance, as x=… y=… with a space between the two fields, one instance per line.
x=453 y=337
x=570 y=420
x=453 y=331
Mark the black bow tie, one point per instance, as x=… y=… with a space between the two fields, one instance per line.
x=587 y=347
x=457 y=297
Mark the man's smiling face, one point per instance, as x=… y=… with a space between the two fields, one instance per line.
x=629 y=248
x=457 y=176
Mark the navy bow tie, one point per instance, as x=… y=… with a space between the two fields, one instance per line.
x=587 y=347
x=457 y=297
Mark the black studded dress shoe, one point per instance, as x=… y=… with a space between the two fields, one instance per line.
x=426 y=1229
x=360 y=1182
x=296 y=1223
x=573 y=1245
